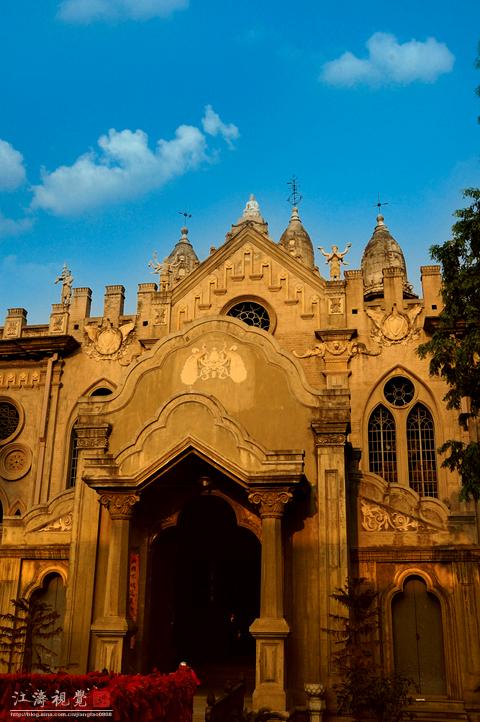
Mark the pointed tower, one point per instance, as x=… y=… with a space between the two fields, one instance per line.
x=183 y=259
x=382 y=251
x=296 y=241
x=252 y=216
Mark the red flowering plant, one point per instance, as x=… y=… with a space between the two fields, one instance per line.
x=137 y=698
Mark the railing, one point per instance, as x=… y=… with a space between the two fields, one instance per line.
x=229 y=707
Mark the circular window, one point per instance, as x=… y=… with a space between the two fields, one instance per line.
x=399 y=391
x=251 y=313
x=9 y=419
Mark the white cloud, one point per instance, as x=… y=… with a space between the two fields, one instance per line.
x=12 y=170
x=389 y=61
x=124 y=168
x=9 y=227
x=85 y=11
x=213 y=125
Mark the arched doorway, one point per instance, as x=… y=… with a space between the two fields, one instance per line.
x=418 y=637
x=204 y=590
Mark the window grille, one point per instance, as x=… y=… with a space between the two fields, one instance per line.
x=382 y=444
x=422 y=465
x=399 y=391
x=251 y=313
x=73 y=461
x=9 y=419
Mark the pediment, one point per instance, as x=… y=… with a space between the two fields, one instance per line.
x=250 y=264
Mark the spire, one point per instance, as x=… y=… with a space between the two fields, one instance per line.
x=296 y=241
x=382 y=251
x=183 y=259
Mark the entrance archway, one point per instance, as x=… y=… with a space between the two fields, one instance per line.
x=205 y=590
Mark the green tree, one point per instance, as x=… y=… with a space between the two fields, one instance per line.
x=364 y=691
x=454 y=347
x=24 y=633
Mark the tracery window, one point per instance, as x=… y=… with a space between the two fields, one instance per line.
x=401 y=438
x=422 y=464
x=382 y=444
x=9 y=419
x=251 y=313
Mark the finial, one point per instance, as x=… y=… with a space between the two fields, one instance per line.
x=252 y=209
x=184 y=232
x=294 y=198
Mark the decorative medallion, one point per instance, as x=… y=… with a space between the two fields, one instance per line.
x=214 y=363
x=108 y=343
x=396 y=326
x=15 y=461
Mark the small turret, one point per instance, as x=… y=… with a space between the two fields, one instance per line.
x=382 y=251
x=183 y=259
x=296 y=241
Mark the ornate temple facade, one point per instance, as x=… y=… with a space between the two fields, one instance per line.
x=194 y=480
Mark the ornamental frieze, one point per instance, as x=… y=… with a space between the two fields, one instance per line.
x=16 y=379
x=395 y=326
x=110 y=343
x=214 y=363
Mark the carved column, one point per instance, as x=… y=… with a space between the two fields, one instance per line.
x=110 y=630
x=271 y=628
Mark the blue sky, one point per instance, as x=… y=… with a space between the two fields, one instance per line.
x=117 y=114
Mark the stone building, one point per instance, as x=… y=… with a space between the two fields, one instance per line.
x=194 y=480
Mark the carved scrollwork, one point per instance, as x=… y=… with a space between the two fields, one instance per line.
x=120 y=506
x=63 y=523
x=271 y=502
x=377 y=518
x=331 y=439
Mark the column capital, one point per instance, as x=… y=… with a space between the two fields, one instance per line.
x=119 y=505
x=270 y=501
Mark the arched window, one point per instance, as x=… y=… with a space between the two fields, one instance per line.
x=382 y=444
x=422 y=465
x=418 y=637
x=72 y=460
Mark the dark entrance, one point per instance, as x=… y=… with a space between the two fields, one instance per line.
x=205 y=590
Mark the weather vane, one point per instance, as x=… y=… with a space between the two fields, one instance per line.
x=294 y=198
x=379 y=203
x=185 y=214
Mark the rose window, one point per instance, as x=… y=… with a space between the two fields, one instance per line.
x=251 y=313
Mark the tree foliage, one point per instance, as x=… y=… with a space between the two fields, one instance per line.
x=454 y=347
x=364 y=691
x=24 y=633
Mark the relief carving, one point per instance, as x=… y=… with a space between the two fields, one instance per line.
x=214 y=363
x=109 y=343
x=63 y=523
x=378 y=518
x=394 y=327
x=120 y=506
x=271 y=502
x=337 y=348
